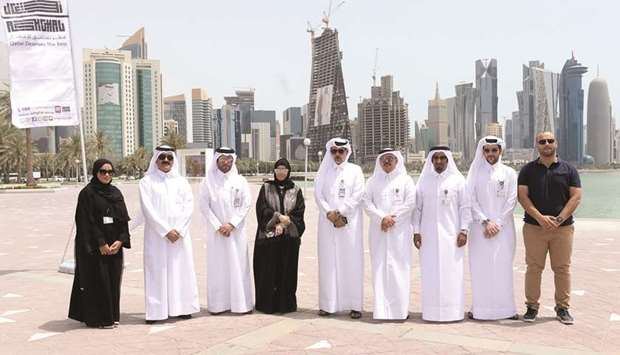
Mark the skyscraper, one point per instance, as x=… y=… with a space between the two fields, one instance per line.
x=228 y=126
x=149 y=109
x=538 y=102
x=136 y=44
x=243 y=104
x=383 y=121
x=509 y=134
x=600 y=121
x=451 y=109
x=464 y=111
x=438 y=118
x=569 y=130
x=175 y=109
x=486 y=90
x=269 y=117
x=109 y=99
x=291 y=122
x=202 y=117
x=327 y=109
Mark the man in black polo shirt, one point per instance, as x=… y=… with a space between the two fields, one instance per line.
x=549 y=191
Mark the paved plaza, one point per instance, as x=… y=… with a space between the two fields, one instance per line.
x=34 y=299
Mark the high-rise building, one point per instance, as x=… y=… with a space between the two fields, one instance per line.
x=569 y=132
x=383 y=121
x=617 y=147
x=243 y=104
x=261 y=147
x=438 y=118
x=538 y=102
x=227 y=127
x=509 y=134
x=486 y=90
x=175 y=109
x=202 y=118
x=600 y=122
x=291 y=122
x=109 y=99
x=451 y=109
x=464 y=118
x=4 y=64
x=494 y=129
x=149 y=107
x=269 y=117
x=136 y=44
x=242 y=96
x=328 y=115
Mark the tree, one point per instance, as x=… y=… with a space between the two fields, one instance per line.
x=18 y=144
x=100 y=145
x=174 y=140
x=46 y=163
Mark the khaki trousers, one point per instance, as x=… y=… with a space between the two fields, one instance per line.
x=559 y=244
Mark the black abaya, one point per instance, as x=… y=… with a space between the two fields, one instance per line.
x=95 y=296
x=276 y=258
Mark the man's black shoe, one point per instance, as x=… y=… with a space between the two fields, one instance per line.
x=530 y=315
x=563 y=316
x=186 y=316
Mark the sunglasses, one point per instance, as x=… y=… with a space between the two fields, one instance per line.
x=388 y=159
x=106 y=172
x=168 y=157
x=338 y=151
x=491 y=150
x=546 y=141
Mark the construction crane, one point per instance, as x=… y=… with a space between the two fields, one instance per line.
x=374 y=68
x=327 y=16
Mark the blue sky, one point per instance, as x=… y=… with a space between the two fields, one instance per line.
x=222 y=45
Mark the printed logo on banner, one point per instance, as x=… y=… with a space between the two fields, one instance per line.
x=39 y=43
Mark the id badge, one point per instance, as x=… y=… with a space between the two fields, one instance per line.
x=108 y=220
x=398 y=195
x=500 y=189
x=237 y=200
x=341 y=190
x=445 y=197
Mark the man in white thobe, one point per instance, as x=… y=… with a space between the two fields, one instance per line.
x=440 y=225
x=338 y=190
x=167 y=205
x=389 y=200
x=493 y=193
x=225 y=200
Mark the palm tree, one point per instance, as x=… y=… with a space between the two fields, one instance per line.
x=100 y=145
x=174 y=140
x=141 y=160
x=46 y=163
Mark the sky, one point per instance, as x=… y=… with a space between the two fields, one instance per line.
x=227 y=44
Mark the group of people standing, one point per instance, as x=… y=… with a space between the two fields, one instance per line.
x=443 y=212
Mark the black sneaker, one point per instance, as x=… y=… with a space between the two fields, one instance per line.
x=563 y=316
x=530 y=315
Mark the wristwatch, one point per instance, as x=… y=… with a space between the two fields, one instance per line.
x=485 y=222
x=559 y=219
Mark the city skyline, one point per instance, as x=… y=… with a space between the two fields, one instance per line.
x=279 y=66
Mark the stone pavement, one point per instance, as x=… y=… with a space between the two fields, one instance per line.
x=34 y=299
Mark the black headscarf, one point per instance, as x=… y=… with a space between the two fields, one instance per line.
x=286 y=183
x=109 y=192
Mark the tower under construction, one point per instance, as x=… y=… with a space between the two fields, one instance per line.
x=328 y=115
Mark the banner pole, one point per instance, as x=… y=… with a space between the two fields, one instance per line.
x=77 y=103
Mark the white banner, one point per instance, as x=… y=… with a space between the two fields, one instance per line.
x=41 y=64
x=323 y=109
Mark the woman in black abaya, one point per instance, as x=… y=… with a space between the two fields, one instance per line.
x=280 y=214
x=102 y=232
